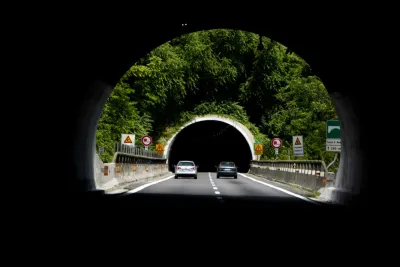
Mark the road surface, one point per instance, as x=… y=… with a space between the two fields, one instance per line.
x=208 y=191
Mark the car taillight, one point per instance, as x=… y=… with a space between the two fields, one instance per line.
x=179 y=168
x=194 y=168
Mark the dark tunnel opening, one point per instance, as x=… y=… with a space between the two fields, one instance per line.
x=209 y=142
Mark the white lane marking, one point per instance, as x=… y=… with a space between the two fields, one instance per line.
x=213 y=185
x=147 y=185
x=280 y=189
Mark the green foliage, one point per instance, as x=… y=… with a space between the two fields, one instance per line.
x=272 y=92
x=227 y=109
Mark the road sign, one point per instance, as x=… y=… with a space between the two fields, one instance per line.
x=146 y=140
x=258 y=149
x=160 y=148
x=298 y=148
x=128 y=139
x=333 y=136
x=276 y=143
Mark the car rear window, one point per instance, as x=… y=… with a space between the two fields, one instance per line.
x=185 y=164
x=228 y=164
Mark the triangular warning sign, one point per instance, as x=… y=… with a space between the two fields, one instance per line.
x=159 y=147
x=128 y=140
x=297 y=142
x=258 y=147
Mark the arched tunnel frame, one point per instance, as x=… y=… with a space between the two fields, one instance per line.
x=237 y=125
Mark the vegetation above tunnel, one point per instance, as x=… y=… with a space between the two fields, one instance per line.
x=272 y=92
x=227 y=109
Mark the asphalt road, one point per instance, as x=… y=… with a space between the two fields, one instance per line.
x=209 y=192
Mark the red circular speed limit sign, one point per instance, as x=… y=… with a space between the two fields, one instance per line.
x=276 y=143
x=146 y=140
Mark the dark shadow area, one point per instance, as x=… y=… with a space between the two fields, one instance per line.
x=209 y=142
x=152 y=200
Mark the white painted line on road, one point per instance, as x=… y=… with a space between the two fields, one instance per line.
x=280 y=189
x=213 y=185
x=147 y=185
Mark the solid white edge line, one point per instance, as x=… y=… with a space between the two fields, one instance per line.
x=147 y=185
x=280 y=189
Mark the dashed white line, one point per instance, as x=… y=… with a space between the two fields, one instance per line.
x=215 y=188
x=280 y=189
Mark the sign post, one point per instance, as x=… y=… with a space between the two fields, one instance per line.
x=128 y=139
x=258 y=149
x=333 y=136
x=160 y=148
x=146 y=141
x=277 y=144
x=298 y=148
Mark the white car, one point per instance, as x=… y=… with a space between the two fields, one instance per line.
x=186 y=168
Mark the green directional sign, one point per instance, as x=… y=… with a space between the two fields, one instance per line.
x=332 y=129
x=333 y=140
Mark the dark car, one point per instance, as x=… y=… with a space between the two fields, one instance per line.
x=227 y=169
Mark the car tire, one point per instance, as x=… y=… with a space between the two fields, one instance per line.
x=217 y=176
x=176 y=177
x=195 y=177
x=235 y=177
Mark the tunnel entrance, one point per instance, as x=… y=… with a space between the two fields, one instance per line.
x=209 y=142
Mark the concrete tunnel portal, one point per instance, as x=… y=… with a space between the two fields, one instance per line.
x=208 y=142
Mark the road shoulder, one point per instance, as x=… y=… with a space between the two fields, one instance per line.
x=291 y=188
x=123 y=188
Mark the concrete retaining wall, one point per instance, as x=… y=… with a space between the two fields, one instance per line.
x=110 y=175
x=309 y=180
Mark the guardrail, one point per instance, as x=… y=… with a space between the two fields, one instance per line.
x=136 y=151
x=313 y=167
x=311 y=174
